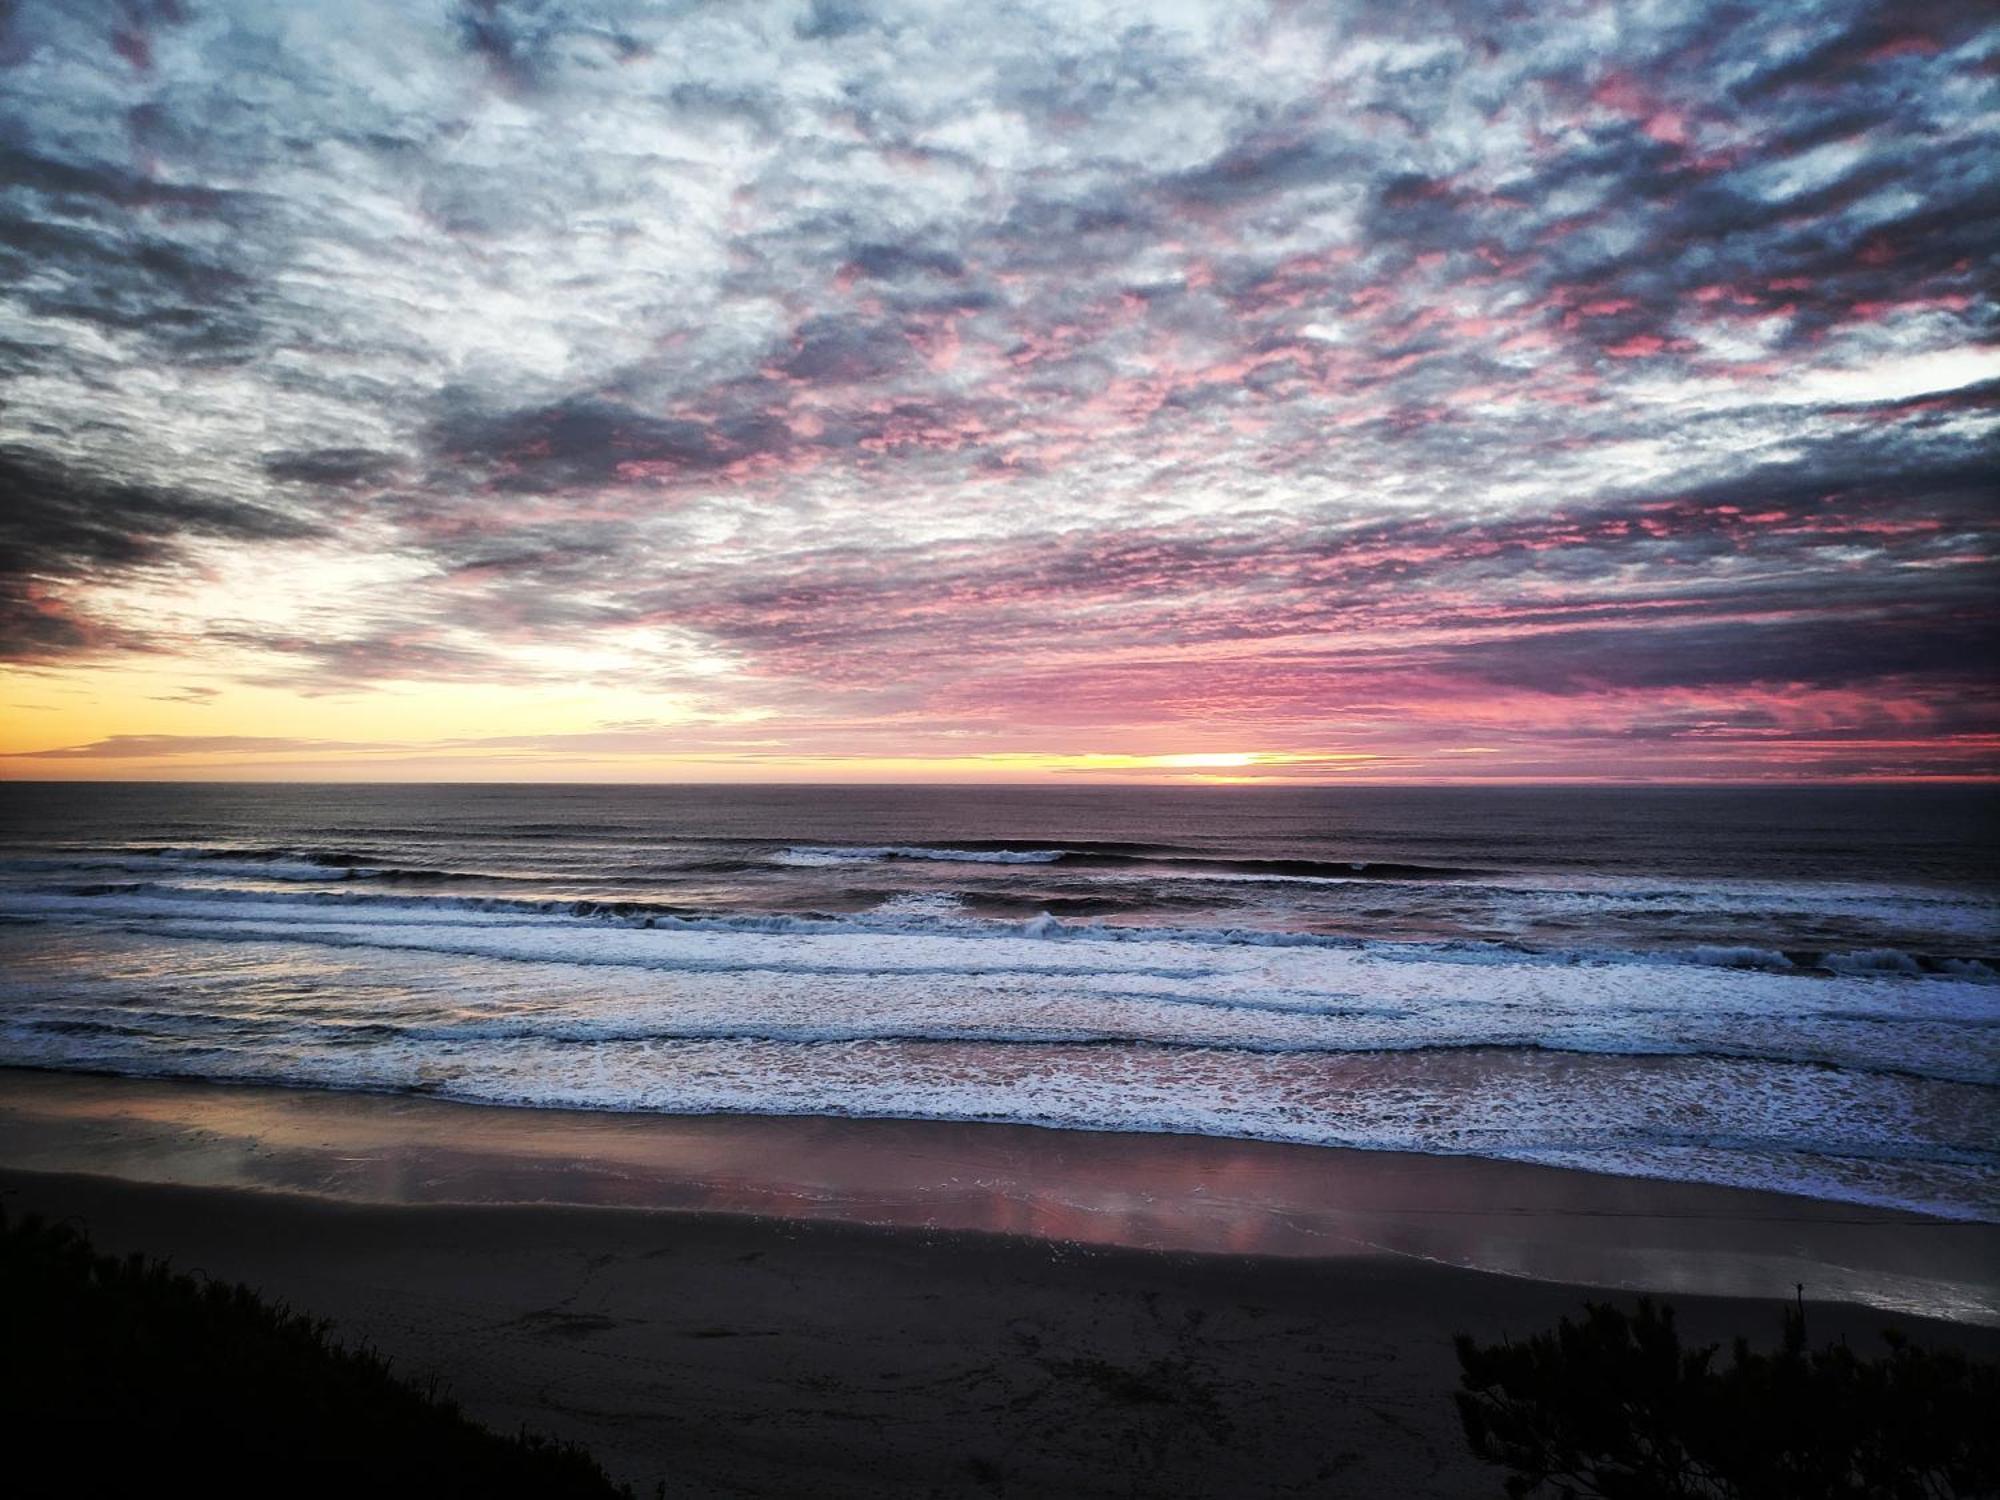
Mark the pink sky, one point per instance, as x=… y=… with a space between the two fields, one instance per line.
x=778 y=393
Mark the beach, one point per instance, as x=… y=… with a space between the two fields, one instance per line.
x=850 y=1307
x=1045 y=1142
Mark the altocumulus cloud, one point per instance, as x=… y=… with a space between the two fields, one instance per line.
x=1336 y=379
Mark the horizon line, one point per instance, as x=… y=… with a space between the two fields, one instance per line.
x=1190 y=783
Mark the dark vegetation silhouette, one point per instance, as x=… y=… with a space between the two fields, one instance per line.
x=1616 y=1406
x=124 y=1377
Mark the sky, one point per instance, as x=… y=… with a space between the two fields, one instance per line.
x=850 y=392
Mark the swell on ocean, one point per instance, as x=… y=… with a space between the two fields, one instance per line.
x=1658 y=984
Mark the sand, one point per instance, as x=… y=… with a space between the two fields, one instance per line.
x=888 y=1308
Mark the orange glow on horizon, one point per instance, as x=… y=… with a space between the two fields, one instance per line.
x=144 y=723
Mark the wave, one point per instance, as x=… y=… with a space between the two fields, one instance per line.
x=1607 y=1130
x=1025 y=905
x=236 y=854
x=1166 y=859
x=296 y=866
x=573 y=1031
x=813 y=856
x=935 y=915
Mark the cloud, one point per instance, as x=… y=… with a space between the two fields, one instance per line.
x=1264 y=371
x=330 y=467
x=135 y=746
x=61 y=529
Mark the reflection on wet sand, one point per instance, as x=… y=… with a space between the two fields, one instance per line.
x=1173 y=1193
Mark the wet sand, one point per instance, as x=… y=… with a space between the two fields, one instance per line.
x=1146 y=1192
x=755 y=1306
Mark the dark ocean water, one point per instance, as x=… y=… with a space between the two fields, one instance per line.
x=1785 y=988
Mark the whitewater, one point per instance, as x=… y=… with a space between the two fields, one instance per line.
x=1762 y=989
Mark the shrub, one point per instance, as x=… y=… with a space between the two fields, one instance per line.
x=121 y=1376
x=1615 y=1406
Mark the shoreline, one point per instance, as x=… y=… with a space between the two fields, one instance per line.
x=1149 y=1193
x=728 y=1354
x=745 y=1305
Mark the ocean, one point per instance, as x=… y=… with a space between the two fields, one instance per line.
x=1792 y=989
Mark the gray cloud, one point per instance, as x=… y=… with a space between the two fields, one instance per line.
x=60 y=528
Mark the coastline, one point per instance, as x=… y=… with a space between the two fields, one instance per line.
x=761 y=1305
x=1156 y=1193
x=728 y=1354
